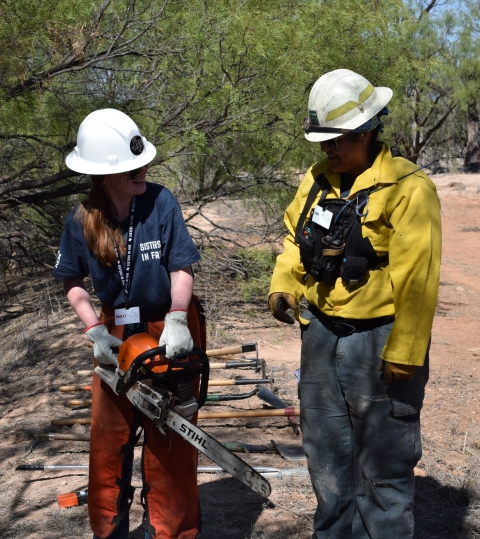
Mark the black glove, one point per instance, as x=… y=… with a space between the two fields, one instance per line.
x=279 y=302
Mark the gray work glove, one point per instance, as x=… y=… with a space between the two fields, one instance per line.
x=176 y=335
x=103 y=343
x=279 y=302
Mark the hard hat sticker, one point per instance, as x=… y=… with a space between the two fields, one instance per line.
x=136 y=145
x=313 y=117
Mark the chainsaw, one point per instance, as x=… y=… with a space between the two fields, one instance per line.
x=163 y=389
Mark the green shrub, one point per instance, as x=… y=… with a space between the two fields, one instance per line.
x=256 y=272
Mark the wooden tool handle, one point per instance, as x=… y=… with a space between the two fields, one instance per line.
x=235 y=349
x=67 y=389
x=288 y=412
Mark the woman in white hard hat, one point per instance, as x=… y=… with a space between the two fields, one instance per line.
x=129 y=236
x=363 y=248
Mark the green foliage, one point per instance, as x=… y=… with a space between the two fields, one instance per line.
x=256 y=271
x=219 y=87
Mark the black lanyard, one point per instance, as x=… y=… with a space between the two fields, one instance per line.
x=125 y=275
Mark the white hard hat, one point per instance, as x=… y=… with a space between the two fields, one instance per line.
x=109 y=142
x=341 y=101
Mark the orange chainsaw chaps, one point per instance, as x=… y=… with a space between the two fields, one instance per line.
x=169 y=463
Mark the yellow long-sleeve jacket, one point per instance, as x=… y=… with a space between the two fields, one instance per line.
x=403 y=221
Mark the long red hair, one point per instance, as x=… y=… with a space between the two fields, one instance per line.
x=99 y=233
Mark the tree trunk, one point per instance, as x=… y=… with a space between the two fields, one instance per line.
x=472 y=151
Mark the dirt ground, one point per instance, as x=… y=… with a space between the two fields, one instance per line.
x=43 y=349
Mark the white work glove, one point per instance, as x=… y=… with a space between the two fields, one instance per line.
x=176 y=335
x=103 y=343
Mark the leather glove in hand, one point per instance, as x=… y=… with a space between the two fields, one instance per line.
x=176 y=335
x=103 y=343
x=279 y=302
x=392 y=372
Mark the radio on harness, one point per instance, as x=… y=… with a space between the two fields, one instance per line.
x=333 y=246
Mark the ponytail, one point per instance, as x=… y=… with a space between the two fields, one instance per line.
x=97 y=229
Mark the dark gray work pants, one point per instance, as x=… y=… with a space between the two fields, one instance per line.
x=361 y=437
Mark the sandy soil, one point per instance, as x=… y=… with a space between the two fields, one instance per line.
x=44 y=348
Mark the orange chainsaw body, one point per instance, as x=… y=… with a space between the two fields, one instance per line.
x=136 y=345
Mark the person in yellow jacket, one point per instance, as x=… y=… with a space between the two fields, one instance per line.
x=363 y=248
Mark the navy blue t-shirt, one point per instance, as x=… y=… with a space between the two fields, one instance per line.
x=161 y=244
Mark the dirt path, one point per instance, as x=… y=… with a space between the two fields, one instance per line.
x=44 y=349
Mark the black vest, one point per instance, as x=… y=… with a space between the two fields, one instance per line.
x=335 y=248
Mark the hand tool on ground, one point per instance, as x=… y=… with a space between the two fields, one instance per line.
x=230 y=397
x=286 y=412
x=232 y=446
x=211 y=383
x=233 y=364
x=43 y=467
x=288 y=452
x=272 y=399
x=72 y=499
x=210 y=398
x=55 y=436
x=81 y=497
x=162 y=388
x=70 y=389
x=239 y=382
x=80 y=402
x=267 y=472
x=234 y=349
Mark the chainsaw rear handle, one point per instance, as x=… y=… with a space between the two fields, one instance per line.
x=133 y=375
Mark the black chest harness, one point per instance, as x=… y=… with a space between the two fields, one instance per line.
x=330 y=240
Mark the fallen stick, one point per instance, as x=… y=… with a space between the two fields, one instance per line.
x=285 y=412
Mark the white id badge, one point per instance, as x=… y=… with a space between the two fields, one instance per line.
x=127 y=316
x=322 y=217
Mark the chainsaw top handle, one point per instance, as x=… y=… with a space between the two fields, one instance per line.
x=194 y=367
